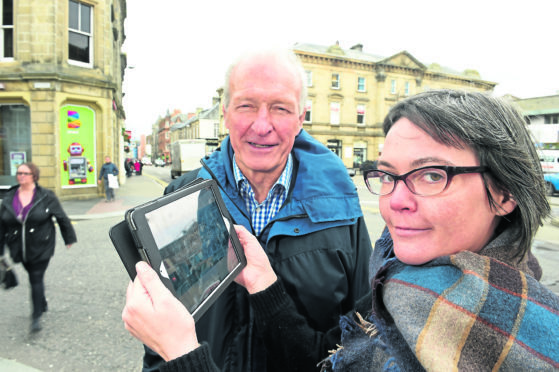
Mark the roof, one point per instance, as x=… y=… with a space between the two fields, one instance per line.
x=211 y=113
x=539 y=105
x=338 y=52
x=356 y=53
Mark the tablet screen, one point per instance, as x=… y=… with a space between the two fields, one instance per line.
x=193 y=240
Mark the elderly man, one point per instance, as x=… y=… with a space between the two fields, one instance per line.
x=296 y=197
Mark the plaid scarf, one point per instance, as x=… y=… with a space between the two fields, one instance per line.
x=466 y=312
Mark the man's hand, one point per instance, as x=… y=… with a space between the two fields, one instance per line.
x=258 y=273
x=155 y=317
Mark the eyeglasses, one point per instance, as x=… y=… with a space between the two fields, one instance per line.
x=424 y=181
x=23 y=173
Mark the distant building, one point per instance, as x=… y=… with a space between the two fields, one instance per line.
x=204 y=124
x=542 y=116
x=61 y=72
x=350 y=92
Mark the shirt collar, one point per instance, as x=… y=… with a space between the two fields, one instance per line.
x=283 y=180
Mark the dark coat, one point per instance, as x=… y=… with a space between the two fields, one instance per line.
x=39 y=240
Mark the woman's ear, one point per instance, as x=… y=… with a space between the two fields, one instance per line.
x=505 y=204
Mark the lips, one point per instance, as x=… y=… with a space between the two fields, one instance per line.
x=260 y=145
x=409 y=231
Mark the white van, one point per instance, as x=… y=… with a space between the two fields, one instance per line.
x=549 y=159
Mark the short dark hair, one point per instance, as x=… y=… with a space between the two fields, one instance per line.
x=35 y=172
x=497 y=133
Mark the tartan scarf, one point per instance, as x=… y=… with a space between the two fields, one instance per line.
x=464 y=312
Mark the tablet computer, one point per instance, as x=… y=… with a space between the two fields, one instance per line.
x=188 y=238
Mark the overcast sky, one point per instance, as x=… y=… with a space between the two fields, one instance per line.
x=180 y=49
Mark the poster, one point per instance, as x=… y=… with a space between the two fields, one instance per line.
x=77 y=146
x=16 y=159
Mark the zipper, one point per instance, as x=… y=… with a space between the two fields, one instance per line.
x=23 y=230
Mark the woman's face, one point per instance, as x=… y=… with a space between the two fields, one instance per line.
x=24 y=175
x=426 y=227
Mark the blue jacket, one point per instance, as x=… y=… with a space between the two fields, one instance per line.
x=106 y=169
x=317 y=243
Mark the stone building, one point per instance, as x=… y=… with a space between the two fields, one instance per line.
x=204 y=124
x=350 y=92
x=61 y=72
x=542 y=116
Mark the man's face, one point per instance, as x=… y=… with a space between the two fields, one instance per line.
x=263 y=116
x=107 y=159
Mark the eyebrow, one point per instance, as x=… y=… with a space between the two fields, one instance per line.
x=420 y=162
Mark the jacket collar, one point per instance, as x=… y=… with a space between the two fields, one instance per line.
x=320 y=181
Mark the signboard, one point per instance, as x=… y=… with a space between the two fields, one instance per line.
x=16 y=159
x=77 y=146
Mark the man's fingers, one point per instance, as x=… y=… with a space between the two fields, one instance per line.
x=241 y=232
x=151 y=283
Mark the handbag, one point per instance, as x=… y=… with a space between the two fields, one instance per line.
x=113 y=181
x=8 y=278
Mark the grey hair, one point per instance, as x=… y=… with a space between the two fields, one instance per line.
x=497 y=133
x=288 y=57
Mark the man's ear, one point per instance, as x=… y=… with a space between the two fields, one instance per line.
x=224 y=110
x=505 y=205
x=302 y=118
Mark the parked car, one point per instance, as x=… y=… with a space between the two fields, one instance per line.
x=159 y=163
x=551 y=183
x=146 y=160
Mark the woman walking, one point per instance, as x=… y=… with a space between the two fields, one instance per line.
x=27 y=228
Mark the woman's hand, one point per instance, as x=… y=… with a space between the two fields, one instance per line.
x=258 y=274
x=155 y=317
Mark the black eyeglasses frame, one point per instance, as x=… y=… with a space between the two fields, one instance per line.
x=449 y=170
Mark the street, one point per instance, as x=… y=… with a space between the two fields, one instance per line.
x=86 y=286
x=82 y=330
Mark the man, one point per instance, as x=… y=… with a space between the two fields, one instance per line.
x=296 y=197
x=106 y=169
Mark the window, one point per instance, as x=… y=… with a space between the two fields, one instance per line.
x=335 y=81
x=407 y=88
x=335 y=146
x=551 y=119
x=393 y=86
x=309 y=78
x=80 y=35
x=334 y=112
x=7 y=30
x=359 y=154
x=360 y=114
x=216 y=130
x=308 y=114
x=360 y=84
x=15 y=142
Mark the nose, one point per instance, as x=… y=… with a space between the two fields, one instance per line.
x=262 y=124
x=402 y=198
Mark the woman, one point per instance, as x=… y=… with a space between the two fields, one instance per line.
x=454 y=283
x=29 y=208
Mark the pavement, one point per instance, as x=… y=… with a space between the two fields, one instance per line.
x=134 y=191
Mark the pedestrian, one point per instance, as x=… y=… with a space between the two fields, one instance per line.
x=140 y=166
x=127 y=167
x=28 y=230
x=454 y=283
x=296 y=197
x=108 y=169
x=137 y=167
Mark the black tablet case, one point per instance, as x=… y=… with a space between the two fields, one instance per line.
x=127 y=249
x=125 y=246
